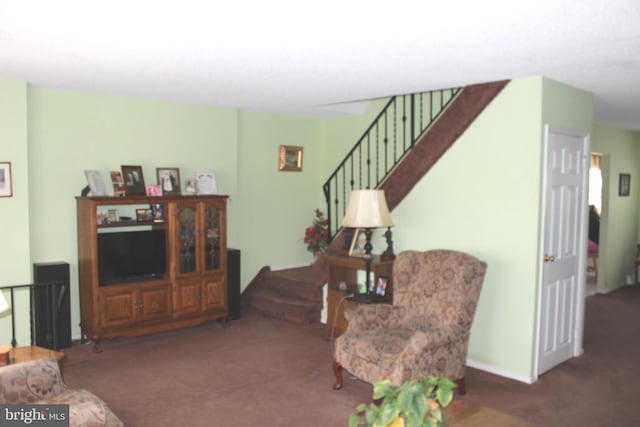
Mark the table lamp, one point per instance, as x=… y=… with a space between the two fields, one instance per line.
x=367 y=209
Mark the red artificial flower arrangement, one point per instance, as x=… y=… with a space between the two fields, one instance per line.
x=316 y=237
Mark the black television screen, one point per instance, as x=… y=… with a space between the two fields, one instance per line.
x=131 y=256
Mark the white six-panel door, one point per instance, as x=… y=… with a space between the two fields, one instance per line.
x=561 y=303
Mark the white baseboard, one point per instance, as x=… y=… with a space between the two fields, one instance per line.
x=500 y=372
x=609 y=290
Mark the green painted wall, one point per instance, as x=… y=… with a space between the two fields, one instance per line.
x=620 y=221
x=69 y=132
x=15 y=267
x=483 y=197
x=276 y=206
x=340 y=134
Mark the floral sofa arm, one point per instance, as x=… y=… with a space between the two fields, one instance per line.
x=40 y=382
x=373 y=316
x=30 y=382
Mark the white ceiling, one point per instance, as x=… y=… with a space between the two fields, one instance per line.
x=317 y=59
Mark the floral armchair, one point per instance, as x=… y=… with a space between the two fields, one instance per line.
x=426 y=330
x=40 y=382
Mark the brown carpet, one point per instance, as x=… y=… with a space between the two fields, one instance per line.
x=259 y=371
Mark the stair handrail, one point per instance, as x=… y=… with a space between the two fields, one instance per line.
x=414 y=122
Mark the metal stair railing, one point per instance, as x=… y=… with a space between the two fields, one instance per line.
x=393 y=133
x=53 y=294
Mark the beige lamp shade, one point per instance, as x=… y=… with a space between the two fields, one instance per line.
x=4 y=306
x=367 y=209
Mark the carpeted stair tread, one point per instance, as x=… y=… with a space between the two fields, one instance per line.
x=291 y=308
x=298 y=274
x=294 y=282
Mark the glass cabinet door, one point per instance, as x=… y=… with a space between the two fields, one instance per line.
x=187 y=262
x=211 y=238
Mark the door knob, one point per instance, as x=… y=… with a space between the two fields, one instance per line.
x=549 y=258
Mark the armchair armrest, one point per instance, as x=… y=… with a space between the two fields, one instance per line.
x=31 y=381
x=373 y=316
x=425 y=338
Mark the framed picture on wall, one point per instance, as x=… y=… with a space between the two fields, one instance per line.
x=290 y=158
x=624 y=184
x=5 y=179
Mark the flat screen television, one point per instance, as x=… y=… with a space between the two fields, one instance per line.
x=131 y=256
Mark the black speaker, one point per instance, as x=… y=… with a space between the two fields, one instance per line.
x=233 y=283
x=51 y=306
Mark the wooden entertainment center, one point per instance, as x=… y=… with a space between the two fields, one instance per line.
x=191 y=290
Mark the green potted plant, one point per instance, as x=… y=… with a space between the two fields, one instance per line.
x=411 y=404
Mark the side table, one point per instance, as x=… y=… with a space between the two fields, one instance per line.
x=25 y=354
x=343 y=269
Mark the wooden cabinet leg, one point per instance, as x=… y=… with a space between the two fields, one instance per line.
x=337 y=371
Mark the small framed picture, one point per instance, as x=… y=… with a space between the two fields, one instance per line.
x=5 y=179
x=624 y=184
x=144 y=215
x=133 y=180
x=118 y=183
x=381 y=285
x=290 y=158
x=157 y=210
x=169 y=180
x=112 y=216
x=154 y=190
x=96 y=183
x=190 y=186
x=359 y=241
x=206 y=183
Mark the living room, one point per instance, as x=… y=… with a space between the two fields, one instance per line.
x=53 y=136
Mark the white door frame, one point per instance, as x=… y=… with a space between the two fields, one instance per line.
x=582 y=263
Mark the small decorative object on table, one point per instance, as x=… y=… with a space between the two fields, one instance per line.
x=316 y=236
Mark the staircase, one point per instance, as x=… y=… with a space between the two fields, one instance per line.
x=293 y=294
x=384 y=159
